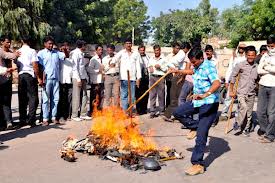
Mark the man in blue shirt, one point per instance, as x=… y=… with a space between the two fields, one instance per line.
x=205 y=103
x=50 y=60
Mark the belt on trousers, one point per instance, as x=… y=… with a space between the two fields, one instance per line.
x=155 y=75
x=113 y=74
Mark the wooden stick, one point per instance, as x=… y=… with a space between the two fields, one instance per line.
x=129 y=93
x=231 y=106
x=140 y=98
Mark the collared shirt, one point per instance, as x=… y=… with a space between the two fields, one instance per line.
x=248 y=78
x=107 y=69
x=66 y=71
x=266 y=70
x=26 y=59
x=93 y=69
x=79 y=65
x=160 y=61
x=203 y=77
x=128 y=61
x=233 y=61
x=177 y=61
x=50 y=60
x=214 y=61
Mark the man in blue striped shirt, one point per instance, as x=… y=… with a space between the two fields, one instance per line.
x=205 y=103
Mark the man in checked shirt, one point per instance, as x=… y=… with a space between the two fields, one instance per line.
x=205 y=102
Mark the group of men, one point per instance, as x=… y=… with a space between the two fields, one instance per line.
x=189 y=93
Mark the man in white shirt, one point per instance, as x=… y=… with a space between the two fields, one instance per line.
x=266 y=96
x=66 y=86
x=175 y=61
x=187 y=86
x=174 y=82
x=129 y=61
x=95 y=70
x=235 y=59
x=80 y=78
x=144 y=82
x=28 y=70
x=111 y=82
x=157 y=68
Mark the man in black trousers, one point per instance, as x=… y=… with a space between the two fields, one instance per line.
x=6 y=60
x=28 y=70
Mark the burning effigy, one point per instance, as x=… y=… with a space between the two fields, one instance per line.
x=116 y=137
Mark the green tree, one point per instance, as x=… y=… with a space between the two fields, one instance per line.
x=253 y=20
x=18 y=17
x=262 y=19
x=185 y=25
x=129 y=14
x=68 y=20
x=96 y=21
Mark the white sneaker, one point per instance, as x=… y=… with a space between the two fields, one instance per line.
x=85 y=117
x=77 y=119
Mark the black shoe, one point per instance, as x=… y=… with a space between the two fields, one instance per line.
x=238 y=133
x=260 y=132
x=32 y=125
x=21 y=124
x=153 y=116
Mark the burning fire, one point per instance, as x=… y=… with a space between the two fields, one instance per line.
x=115 y=137
x=116 y=131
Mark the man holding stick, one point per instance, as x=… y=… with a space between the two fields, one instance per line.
x=157 y=68
x=205 y=102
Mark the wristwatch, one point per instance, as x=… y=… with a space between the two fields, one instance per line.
x=209 y=93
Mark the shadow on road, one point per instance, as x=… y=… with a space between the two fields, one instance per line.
x=24 y=132
x=216 y=148
x=2 y=147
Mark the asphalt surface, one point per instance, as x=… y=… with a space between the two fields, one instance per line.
x=32 y=155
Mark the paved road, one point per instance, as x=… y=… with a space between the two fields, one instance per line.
x=31 y=156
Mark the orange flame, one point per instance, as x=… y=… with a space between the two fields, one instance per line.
x=114 y=129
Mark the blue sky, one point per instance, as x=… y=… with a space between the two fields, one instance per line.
x=156 y=6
